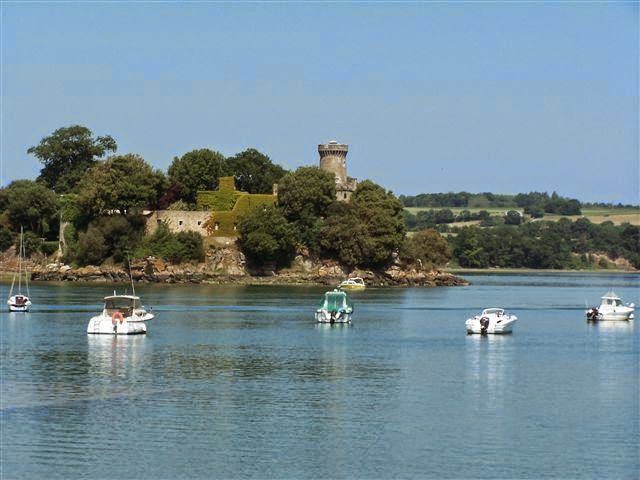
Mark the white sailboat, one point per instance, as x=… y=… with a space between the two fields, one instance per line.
x=20 y=302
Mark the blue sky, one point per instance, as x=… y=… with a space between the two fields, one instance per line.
x=502 y=97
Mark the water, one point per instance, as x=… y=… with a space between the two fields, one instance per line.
x=239 y=382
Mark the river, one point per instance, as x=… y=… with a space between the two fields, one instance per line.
x=239 y=382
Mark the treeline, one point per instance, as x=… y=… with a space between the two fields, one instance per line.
x=102 y=197
x=535 y=204
x=439 y=218
x=555 y=245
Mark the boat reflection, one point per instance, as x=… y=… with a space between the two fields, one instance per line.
x=613 y=326
x=115 y=355
x=488 y=362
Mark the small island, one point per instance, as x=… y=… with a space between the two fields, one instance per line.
x=92 y=215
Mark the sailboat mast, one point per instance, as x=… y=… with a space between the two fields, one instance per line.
x=20 y=263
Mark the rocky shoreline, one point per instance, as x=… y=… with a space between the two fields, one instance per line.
x=228 y=266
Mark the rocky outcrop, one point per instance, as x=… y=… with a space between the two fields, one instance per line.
x=228 y=265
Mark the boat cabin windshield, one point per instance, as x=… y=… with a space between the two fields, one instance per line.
x=124 y=305
x=613 y=301
x=335 y=301
x=493 y=311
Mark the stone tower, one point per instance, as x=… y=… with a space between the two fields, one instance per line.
x=333 y=159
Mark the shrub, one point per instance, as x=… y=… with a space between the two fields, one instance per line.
x=91 y=248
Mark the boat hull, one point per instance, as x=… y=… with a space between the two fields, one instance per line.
x=615 y=316
x=352 y=287
x=495 y=327
x=324 y=316
x=16 y=306
x=101 y=325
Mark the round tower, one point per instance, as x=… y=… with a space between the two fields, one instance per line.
x=333 y=158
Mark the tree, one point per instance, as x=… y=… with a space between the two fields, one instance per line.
x=197 y=170
x=367 y=231
x=304 y=196
x=427 y=246
x=91 y=248
x=512 y=218
x=254 y=172
x=121 y=184
x=32 y=205
x=266 y=236
x=67 y=154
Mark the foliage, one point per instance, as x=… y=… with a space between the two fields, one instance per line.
x=91 y=248
x=6 y=238
x=197 y=170
x=175 y=248
x=304 y=196
x=534 y=203
x=545 y=244
x=254 y=172
x=432 y=218
x=366 y=231
x=122 y=184
x=426 y=248
x=32 y=205
x=266 y=236
x=192 y=246
x=512 y=217
x=111 y=236
x=67 y=153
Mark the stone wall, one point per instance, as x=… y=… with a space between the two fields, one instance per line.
x=178 y=221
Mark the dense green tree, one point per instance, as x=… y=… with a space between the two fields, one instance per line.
x=91 y=248
x=427 y=248
x=122 y=183
x=342 y=236
x=366 y=231
x=6 y=238
x=254 y=172
x=512 y=217
x=67 y=154
x=197 y=170
x=31 y=205
x=266 y=236
x=192 y=245
x=304 y=196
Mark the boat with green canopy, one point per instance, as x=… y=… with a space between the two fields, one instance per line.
x=336 y=307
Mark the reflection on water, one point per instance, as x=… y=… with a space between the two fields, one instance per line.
x=488 y=370
x=228 y=380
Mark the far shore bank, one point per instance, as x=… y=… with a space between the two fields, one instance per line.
x=528 y=271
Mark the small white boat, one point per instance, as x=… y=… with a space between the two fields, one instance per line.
x=122 y=315
x=20 y=302
x=610 y=309
x=354 y=283
x=491 y=320
x=336 y=307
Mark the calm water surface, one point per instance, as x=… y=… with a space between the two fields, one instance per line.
x=240 y=382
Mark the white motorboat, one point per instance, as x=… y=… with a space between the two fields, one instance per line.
x=353 y=283
x=20 y=302
x=122 y=315
x=336 y=307
x=611 y=309
x=491 y=320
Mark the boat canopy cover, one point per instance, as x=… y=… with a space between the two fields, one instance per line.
x=611 y=294
x=121 y=301
x=335 y=301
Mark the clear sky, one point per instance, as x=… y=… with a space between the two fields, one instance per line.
x=431 y=97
